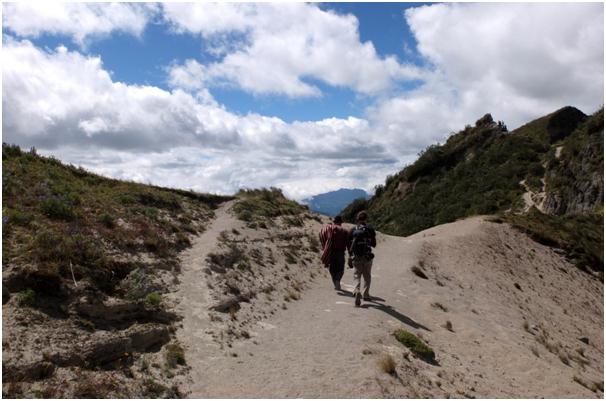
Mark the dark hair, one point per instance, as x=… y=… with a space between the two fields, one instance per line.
x=337 y=219
x=362 y=216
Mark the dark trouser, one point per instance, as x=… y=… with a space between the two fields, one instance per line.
x=337 y=265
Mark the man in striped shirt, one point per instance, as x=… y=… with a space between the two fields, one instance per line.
x=333 y=239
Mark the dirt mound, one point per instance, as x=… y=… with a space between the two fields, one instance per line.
x=503 y=315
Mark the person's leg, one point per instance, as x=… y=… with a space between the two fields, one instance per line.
x=331 y=267
x=366 y=274
x=339 y=267
x=358 y=270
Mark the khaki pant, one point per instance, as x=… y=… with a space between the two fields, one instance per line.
x=362 y=268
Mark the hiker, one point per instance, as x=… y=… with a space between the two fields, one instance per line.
x=362 y=238
x=333 y=238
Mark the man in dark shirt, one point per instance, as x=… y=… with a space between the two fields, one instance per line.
x=361 y=239
x=333 y=238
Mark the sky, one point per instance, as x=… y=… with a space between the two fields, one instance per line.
x=306 y=97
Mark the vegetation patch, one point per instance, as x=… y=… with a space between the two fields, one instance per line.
x=153 y=299
x=26 y=297
x=580 y=236
x=387 y=365
x=258 y=205
x=175 y=355
x=415 y=344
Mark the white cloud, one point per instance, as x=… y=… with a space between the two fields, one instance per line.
x=66 y=104
x=78 y=20
x=516 y=61
x=276 y=48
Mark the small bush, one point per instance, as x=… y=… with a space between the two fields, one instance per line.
x=412 y=342
x=87 y=324
x=56 y=209
x=153 y=299
x=26 y=297
x=154 y=389
x=174 y=355
x=227 y=259
x=387 y=365
x=20 y=218
x=107 y=220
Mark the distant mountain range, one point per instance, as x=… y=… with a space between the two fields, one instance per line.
x=331 y=203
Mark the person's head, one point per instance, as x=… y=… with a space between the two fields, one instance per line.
x=362 y=217
x=338 y=220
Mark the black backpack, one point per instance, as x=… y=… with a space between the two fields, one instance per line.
x=360 y=243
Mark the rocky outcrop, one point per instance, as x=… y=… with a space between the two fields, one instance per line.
x=120 y=311
x=584 y=197
x=575 y=185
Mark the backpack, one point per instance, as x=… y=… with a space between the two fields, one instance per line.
x=360 y=243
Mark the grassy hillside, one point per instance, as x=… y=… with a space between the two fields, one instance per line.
x=55 y=216
x=86 y=261
x=479 y=171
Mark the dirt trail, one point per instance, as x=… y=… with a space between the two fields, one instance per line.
x=323 y=347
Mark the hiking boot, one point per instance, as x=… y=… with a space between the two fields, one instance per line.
x=358 y=299
x=368 y=298
x=337 y=285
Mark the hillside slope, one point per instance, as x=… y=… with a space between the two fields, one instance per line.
x=86 y=264
x=552 y=166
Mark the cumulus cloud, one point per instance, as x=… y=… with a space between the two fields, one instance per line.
x=517 y=61
x=276 y=48
x=78 y=20
x=66 y=104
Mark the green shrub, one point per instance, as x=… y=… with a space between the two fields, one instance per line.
x=154 y=299
x=56 y=209
x=160 y=200
x=107 y=220
x=20 y=218
x=26 y=297
x=415 y=344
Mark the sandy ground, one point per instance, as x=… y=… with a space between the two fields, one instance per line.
x=517 y=311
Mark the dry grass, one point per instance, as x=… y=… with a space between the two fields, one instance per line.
x=387 y=364
x=174 y=355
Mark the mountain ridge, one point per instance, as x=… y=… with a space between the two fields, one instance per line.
x=485 y=169
x=333 y=202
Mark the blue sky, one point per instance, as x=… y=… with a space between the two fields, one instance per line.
x=307 y=97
